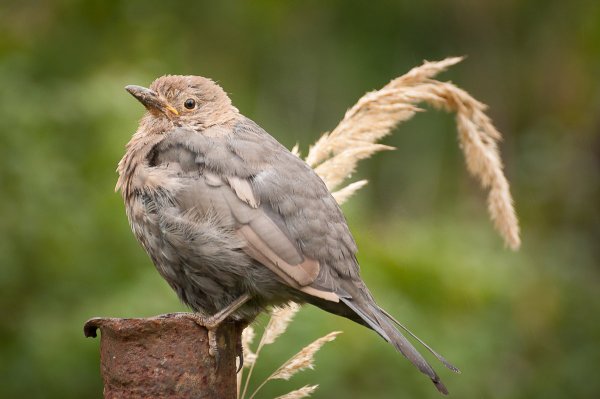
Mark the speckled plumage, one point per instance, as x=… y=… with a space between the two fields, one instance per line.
x=224 y=210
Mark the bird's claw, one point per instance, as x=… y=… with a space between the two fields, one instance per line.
x=239 y=353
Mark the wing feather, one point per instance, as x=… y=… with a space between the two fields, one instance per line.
x=267 y=242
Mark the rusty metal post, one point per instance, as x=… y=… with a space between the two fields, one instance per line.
x=164 y=357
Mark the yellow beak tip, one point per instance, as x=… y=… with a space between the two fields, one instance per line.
x=172 y=110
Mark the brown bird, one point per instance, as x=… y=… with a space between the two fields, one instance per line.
x=236 y=223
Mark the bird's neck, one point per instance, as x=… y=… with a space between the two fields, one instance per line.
x=151 y=132
x=135 y=157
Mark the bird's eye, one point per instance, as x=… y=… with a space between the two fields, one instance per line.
x=190 y=103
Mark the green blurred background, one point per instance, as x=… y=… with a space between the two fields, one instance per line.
x=519 y=325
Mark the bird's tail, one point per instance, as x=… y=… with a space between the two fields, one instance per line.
x=379 y=320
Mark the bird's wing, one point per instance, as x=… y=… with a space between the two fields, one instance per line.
x=267 y=240
x=233 y=199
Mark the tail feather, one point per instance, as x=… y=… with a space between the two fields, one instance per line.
x=357 y=304
x=366 y=318
x=382 y=323
x=434 y=353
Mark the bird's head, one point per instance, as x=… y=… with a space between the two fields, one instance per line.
x=191 y=101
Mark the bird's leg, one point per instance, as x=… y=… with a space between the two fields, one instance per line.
x=211 y=323
x=215 y=320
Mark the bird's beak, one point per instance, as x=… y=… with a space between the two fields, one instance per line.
x=151 y=100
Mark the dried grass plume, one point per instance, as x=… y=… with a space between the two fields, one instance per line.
x=280 y=319
x=303 y=359
x=335 y=155
x=303 y=392
x=247 y=338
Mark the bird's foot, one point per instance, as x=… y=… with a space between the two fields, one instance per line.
x=211 y=323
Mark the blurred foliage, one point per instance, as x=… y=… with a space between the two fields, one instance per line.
x=519 y=325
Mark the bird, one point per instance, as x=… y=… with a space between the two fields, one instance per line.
x=236 y=223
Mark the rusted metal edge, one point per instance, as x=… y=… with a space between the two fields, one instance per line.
x=164 y=356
